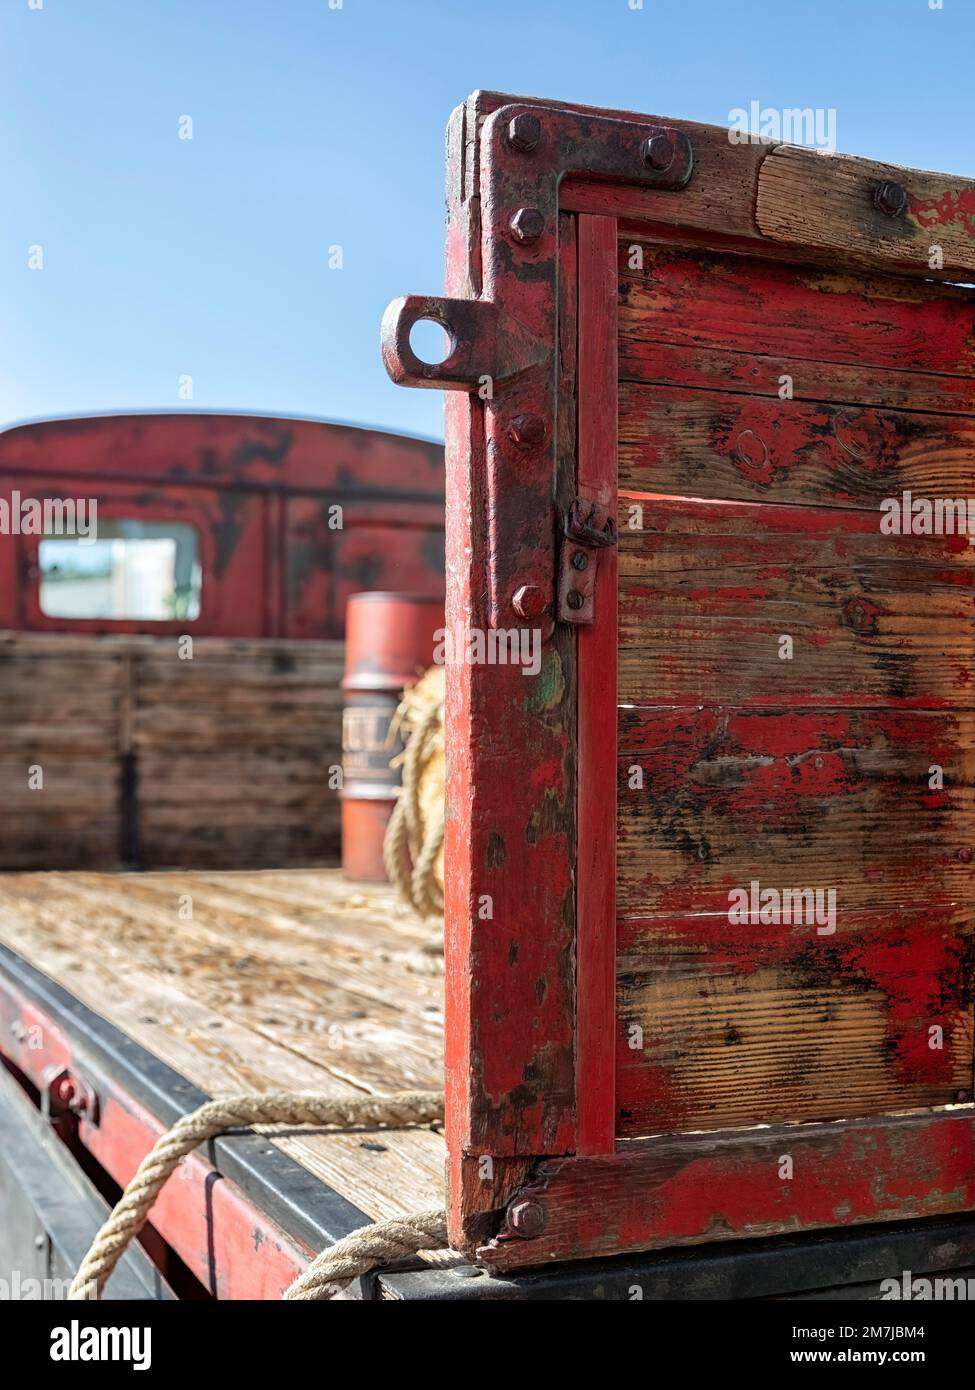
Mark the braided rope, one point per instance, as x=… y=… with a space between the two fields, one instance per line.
x=410 y=846
x=366 y=1249
x=358 y=1252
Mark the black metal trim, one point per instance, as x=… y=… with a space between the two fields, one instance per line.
x=304 y=1207
x=823 y=1263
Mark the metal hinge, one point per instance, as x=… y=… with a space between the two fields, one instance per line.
x=589 y=528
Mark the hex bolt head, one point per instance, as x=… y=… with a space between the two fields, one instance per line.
x=527 y=431
x=64 y=1090
x=965 y=855
x=890 y=198
x=658 y=152
x=527 y=225
x=524 y=132
x=526 y=1218
x=529 y=602
x=580 y=560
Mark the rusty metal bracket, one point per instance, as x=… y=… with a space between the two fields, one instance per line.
x=486 y=345
x=65 y=1092
x=504 y=343
x=588 y=529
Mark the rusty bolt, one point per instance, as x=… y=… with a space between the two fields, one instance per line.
x=64 y=1090
x=890 y=198
x=526 y=1218
x=524 y=132
x=658 y=152
x=529 y=601
x=963 y=1096
x=527 y=431
x=527 y=225
x=580 y=560
x=575 y=600
x=965 y=855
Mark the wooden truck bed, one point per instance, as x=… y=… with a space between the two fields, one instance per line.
x=296 y=979
x=248 y=981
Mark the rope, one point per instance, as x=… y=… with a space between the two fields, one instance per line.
x=331 y=1270
x=412 y=843
x=366 y=1249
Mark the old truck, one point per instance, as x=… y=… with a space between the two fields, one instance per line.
x=708 y=953
x=176 y=681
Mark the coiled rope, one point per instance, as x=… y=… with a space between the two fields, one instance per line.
x=334 y=1268
x=414 y=836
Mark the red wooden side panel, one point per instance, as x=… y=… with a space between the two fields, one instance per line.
x=771 y=396
x=797 y=708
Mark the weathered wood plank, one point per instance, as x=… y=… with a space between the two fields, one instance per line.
x=709 y=444
x=723 y=1024
x=709 y=590
x=823 y=317
x=809 y=198
x=228 y=757
x=879 y=804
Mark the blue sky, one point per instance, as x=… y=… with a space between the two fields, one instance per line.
x=315 y=127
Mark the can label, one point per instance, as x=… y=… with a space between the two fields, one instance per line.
x=369 y=743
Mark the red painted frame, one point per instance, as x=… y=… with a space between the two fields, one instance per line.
x=597 y=736
x=535 y=1171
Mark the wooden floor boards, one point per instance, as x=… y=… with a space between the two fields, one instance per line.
x=253 y=981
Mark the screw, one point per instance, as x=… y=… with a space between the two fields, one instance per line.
x=658 y=152
x=890 y=198
x=524 y=132
x=575 y=600
x=965 y=855
x=527 y=431
x=526 y=1218
x=529 y=601
x=527 y=225
x=580 y=560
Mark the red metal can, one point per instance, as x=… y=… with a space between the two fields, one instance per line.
x=389 y=643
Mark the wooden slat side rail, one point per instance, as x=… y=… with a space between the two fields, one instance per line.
x=771 y=396
x=813 y=199
x=60 y=740
x=707 y=592
x=225 y=759
x=840 y=763
x=736 y=791
x=827 y=318
x=691 y=1189
x=779 y=1022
